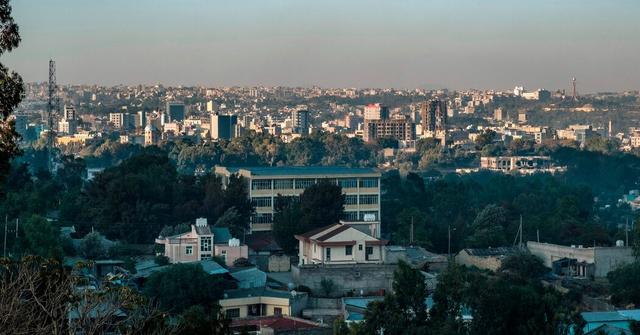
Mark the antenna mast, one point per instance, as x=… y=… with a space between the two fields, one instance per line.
x=52 y=106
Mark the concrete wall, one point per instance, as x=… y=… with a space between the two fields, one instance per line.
x=550 y=253
x=356 y=277
x=605 y=259
x=231 y=253
x=279 y=263
x=608 y=259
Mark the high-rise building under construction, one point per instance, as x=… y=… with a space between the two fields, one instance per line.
x=434 y=116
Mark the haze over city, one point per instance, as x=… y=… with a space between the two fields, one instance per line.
x=365 y=167
x=401 y=44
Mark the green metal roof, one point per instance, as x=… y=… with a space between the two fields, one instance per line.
x=303 y=170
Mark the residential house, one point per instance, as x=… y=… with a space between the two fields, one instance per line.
x=194 y=245
x=339 y=243
x=201 y=243
x=261 y=301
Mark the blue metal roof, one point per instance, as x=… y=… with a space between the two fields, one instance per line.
x=360 y=302
x=603 y=316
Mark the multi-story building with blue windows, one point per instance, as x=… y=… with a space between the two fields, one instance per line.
x=361 y=187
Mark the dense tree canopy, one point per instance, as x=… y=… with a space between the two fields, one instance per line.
x=319 y=205
x=11 y=90
x=181 y=286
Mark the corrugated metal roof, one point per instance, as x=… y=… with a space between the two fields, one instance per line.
x=501 y=251
x=221 y=235
x=303 y=170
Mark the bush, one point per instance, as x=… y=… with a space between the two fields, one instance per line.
x=161 y=260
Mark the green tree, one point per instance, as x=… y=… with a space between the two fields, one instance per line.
x=524 y=266
x=321 y=204
x=485 y=138
x=624 y=288
x=11 y=91
x=196 y=320
x=286 y=224
x=92 y=246
x=42 y=238
x=236 y=197
x=183 y=285
x=410 y=291
x=402 y=312
x=488 y=228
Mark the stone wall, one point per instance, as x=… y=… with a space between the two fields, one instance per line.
x=352 y=278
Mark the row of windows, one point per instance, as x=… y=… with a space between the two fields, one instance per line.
x=350 y=216
x=348 y=251
x=288 y=184
x=261 y=201
x=369 y=199
x=369 y=182
x=262 y=218
x=362 y=216
x=261 y=184
x=351 y=200
x=283 y=184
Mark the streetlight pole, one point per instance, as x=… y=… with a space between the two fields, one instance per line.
x=449 y=243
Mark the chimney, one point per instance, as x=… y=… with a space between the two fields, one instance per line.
x=201 y=222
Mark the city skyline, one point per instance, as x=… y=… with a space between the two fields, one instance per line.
x=357 y=44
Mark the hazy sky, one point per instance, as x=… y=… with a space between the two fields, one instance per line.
x=368 y=43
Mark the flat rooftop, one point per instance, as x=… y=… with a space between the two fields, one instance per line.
x=301 y=170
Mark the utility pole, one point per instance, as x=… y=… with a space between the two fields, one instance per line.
x=4 y=251
x=449 y=244
x=411 y=233
x=52 y=107
x=521 y=231
x=626 y=232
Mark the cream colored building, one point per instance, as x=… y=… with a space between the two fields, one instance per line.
x=261 y=301
x=340 y=244
x=361 y=187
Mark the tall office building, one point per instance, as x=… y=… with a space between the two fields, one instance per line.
x=434 y=116
x=151 y=135
x=223 y=126
x=300 y=121
x=69 y=122
x=175 y=111
x=69 y=113
x=141 y=120
x=212 y=106
x=376 y=112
